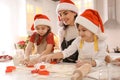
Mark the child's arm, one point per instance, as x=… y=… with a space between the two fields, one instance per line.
x=28 y=50
x=45 y=52
x=81 y=72
x=81 y=62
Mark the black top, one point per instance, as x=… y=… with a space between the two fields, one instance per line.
x=71 y=59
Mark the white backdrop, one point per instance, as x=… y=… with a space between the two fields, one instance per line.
x=11 y=20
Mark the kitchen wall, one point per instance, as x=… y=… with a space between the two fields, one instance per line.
x=12 y=19
x=112 y=29
x=49 y=8
x=111 y=21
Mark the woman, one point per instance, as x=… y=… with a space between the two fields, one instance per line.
x=67 y=13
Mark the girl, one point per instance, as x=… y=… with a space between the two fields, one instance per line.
x=90 y=44
x=67 y=12
x=43 y=38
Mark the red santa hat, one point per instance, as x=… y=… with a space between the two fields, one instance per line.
x=41 y=19
x=91 y=20
x=66 y=5
x=32 y=27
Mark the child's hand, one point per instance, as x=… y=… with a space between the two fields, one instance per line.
x=79 y=63
x=33 y=61
x=25 y=61
x=30 y=64
x=108 y=59
x=46 y=58
x=116 y=61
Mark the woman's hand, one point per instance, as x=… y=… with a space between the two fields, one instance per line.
x=51 y=57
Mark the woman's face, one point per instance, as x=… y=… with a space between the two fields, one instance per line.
x=85 y=34
x=67 y=17
x=42 y=29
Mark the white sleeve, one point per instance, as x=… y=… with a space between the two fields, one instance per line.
x=71 y=49
x=61 y=34
x=100 y=57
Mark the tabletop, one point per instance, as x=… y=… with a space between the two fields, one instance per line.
x=61 y=71
x=24 y=73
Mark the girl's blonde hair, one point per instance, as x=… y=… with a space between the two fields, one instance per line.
x=95 y=43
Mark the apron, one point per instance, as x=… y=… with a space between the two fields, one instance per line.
x=71 y=59
x=42 y=46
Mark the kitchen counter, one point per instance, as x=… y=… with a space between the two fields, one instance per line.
x=24 y=73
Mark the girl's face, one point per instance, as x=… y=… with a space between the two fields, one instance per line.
x=67 y=17
x=85 y=34
x=42 y=29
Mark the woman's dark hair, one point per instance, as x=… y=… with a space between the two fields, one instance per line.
x=66 y=26
x=77 y=25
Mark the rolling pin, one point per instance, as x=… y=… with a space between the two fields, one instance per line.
x=82 y=71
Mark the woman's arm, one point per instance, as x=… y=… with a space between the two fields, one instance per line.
x=58 y=55
x=51 y=57
x=72 y=48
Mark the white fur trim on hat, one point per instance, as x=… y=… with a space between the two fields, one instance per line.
x=90 y=26
x=66 y=6
x=42 y=22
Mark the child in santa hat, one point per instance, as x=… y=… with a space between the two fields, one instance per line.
x=90 y=43
x=67 y=13
x=42 y=38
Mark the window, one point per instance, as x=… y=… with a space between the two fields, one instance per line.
x=31 y=11
x=5 y=31
x=12 y=23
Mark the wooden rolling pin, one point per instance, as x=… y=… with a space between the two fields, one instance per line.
x=82 y=71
